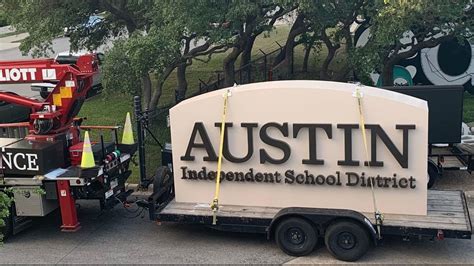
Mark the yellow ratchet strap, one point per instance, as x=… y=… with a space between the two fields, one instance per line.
x=377 y=214
x=215 y=202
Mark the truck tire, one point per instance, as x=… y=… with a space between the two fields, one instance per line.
x=433 y=174
x=296 y=236
x=162 y=178
x=346 y=240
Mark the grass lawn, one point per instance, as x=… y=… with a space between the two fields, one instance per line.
x=468 y=108
x=111 y=108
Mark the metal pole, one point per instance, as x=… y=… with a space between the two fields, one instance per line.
x=141 y=141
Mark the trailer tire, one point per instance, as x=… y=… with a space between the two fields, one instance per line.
x=346 y=240
x=162 y=178
x=296 y=236
x=433 y=174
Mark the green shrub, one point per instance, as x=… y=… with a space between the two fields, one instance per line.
x=3 y=19
x=5 y=202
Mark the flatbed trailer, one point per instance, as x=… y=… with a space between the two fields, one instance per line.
x=347 y=234
x=447 y=217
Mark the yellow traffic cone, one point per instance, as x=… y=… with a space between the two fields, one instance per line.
x=87 y=160
x=127 y=137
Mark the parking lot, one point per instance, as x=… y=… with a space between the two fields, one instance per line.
x=116 y=237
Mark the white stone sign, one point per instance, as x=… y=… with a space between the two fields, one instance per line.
x=300 y=144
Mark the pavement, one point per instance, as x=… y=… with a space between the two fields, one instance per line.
x=9 y=50
x=12 y=42
x=128 y=236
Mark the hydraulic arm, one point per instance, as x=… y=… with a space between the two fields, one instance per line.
x=73 y=81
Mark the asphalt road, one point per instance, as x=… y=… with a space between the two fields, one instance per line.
x=111 y=237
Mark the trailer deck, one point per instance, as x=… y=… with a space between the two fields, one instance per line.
x=447 y=211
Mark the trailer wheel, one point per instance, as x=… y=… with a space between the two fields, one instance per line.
x=162 y=178
x=296 y=237
x=433 y=174
x=347 y=241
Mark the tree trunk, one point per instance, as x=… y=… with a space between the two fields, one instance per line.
x=247 y=51
x=146 y=87
x=307 y=53
x=159 y=87
x=387 y=74
x=229 y=66
x=182 y=86
x=245 y=59
x=297 y=28
x=324 y=74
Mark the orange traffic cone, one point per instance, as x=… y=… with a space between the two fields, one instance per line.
x=87 y=160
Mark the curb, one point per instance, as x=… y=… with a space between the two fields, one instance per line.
x=469 y=194
x=7 y=46
x=136 y=191
x=11 y=42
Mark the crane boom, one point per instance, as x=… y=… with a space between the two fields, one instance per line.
x=73 y=81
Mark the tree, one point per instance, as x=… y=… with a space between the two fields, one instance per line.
x=198 y=28
x=327 y=22
x=285 y=58
x=45 y=20
x=245 y=20
x=132 y=61
x=423 y=23
x=184 y=23
x=310 y=41
x=331 y=21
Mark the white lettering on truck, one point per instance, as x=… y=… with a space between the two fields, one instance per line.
x=20 y=161
x=16 y=74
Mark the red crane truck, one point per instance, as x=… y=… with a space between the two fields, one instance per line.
x=41 y=171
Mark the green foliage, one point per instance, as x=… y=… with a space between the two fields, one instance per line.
x=3 y=17
x=468 y=108
x=46 y=20
x=5 y=202
x=402 y=28
x=132 y=58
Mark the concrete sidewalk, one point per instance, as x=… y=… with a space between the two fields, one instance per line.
x=11 y=42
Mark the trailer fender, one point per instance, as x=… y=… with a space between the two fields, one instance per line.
x=322 y=218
